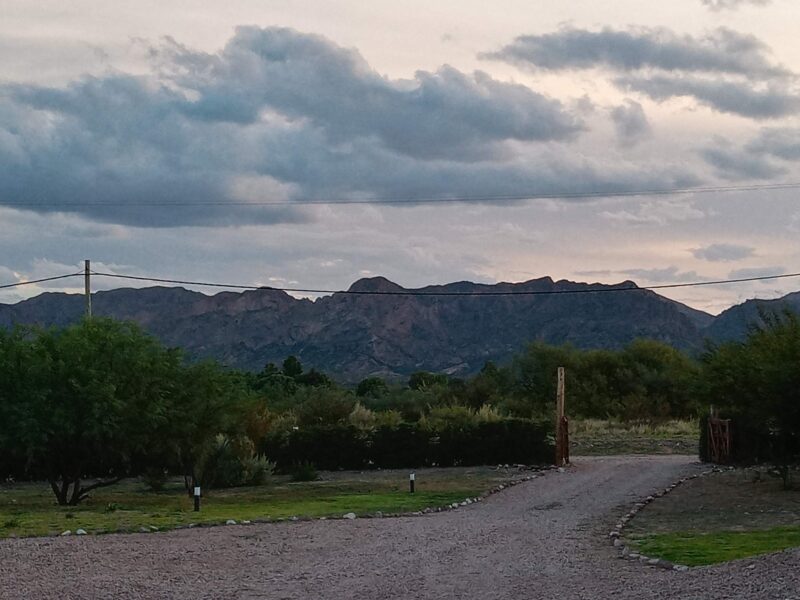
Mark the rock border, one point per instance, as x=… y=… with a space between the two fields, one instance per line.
x=538 y=471
x=618 y=542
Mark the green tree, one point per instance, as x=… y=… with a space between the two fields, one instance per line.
x=371 y=387
x=85 y=400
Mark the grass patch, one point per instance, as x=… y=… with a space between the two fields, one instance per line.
x=697 y=549
x=30 y=509
x=609 y=437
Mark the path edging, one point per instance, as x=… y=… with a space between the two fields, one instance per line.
x=615 y=535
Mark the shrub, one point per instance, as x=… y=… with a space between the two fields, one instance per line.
x=304 y=471
x=155 y=478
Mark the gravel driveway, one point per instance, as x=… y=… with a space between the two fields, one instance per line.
x=542 y=539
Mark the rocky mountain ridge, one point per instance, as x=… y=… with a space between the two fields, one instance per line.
x=352 y=336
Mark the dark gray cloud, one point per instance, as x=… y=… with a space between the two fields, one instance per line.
x=719 y=5
x=781 y=143
x=735 y=164
x=723 y=252
x=437 y=114
x=770 y=101
x=280 y=115
x=630 y=122
x=721 y=51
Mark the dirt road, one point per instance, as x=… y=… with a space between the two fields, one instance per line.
x=542 y=539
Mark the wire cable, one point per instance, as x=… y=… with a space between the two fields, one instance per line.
x=610 y=289
x=43 y=280
x=430 y=199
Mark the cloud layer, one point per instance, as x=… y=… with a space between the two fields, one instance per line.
x=279 y=115
x=725 y=70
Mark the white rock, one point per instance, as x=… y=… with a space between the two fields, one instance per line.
x=230 y=522
x=350 y=515
x=153 y=528
x=144 y=529
x=246 y=522
x=652 y=561
x=67 y=532
x=680 y=568
x=617 y=542
x=80 y=532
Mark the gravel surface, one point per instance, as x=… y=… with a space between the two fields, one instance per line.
x=542 y=539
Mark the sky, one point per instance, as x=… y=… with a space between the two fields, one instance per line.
x=156 y=137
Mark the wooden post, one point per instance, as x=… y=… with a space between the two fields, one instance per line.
x=561 y=452
x=87 y=285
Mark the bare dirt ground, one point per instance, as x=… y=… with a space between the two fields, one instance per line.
x=543 y=540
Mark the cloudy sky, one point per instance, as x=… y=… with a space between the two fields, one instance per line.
x=184 y=140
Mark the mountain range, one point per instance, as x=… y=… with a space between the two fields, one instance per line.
x=373 y=333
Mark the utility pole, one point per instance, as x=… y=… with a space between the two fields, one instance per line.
x=87 y=284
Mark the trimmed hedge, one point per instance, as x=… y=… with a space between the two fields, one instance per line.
x=409 y=446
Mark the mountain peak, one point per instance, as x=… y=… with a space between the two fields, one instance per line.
x=375 y=284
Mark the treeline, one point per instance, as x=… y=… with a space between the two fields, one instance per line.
x=101 y=400
x=756 y=384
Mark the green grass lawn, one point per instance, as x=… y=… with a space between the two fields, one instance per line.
x=696 y=549
x=30 y=509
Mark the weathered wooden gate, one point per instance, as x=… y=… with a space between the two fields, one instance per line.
x=562 y=423
x=719 y=438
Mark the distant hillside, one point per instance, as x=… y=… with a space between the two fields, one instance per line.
x=353 y=336
x=732 y=324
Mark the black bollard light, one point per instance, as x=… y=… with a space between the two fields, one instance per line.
x=411 y=479
x=197 y=498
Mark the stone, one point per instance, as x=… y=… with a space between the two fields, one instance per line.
x=680 y=568
x=349 y=516
x=246 y=522
x=67 y=532
x=614 y=534
x=653 y=562
x=617 y=542
x=80 y=532
x=144 y=530
x=153 y=528
x=230 y=522
x=633 y=555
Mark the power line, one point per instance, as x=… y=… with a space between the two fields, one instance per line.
x=429 y=199
x=33 y=281
x=421 y=293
